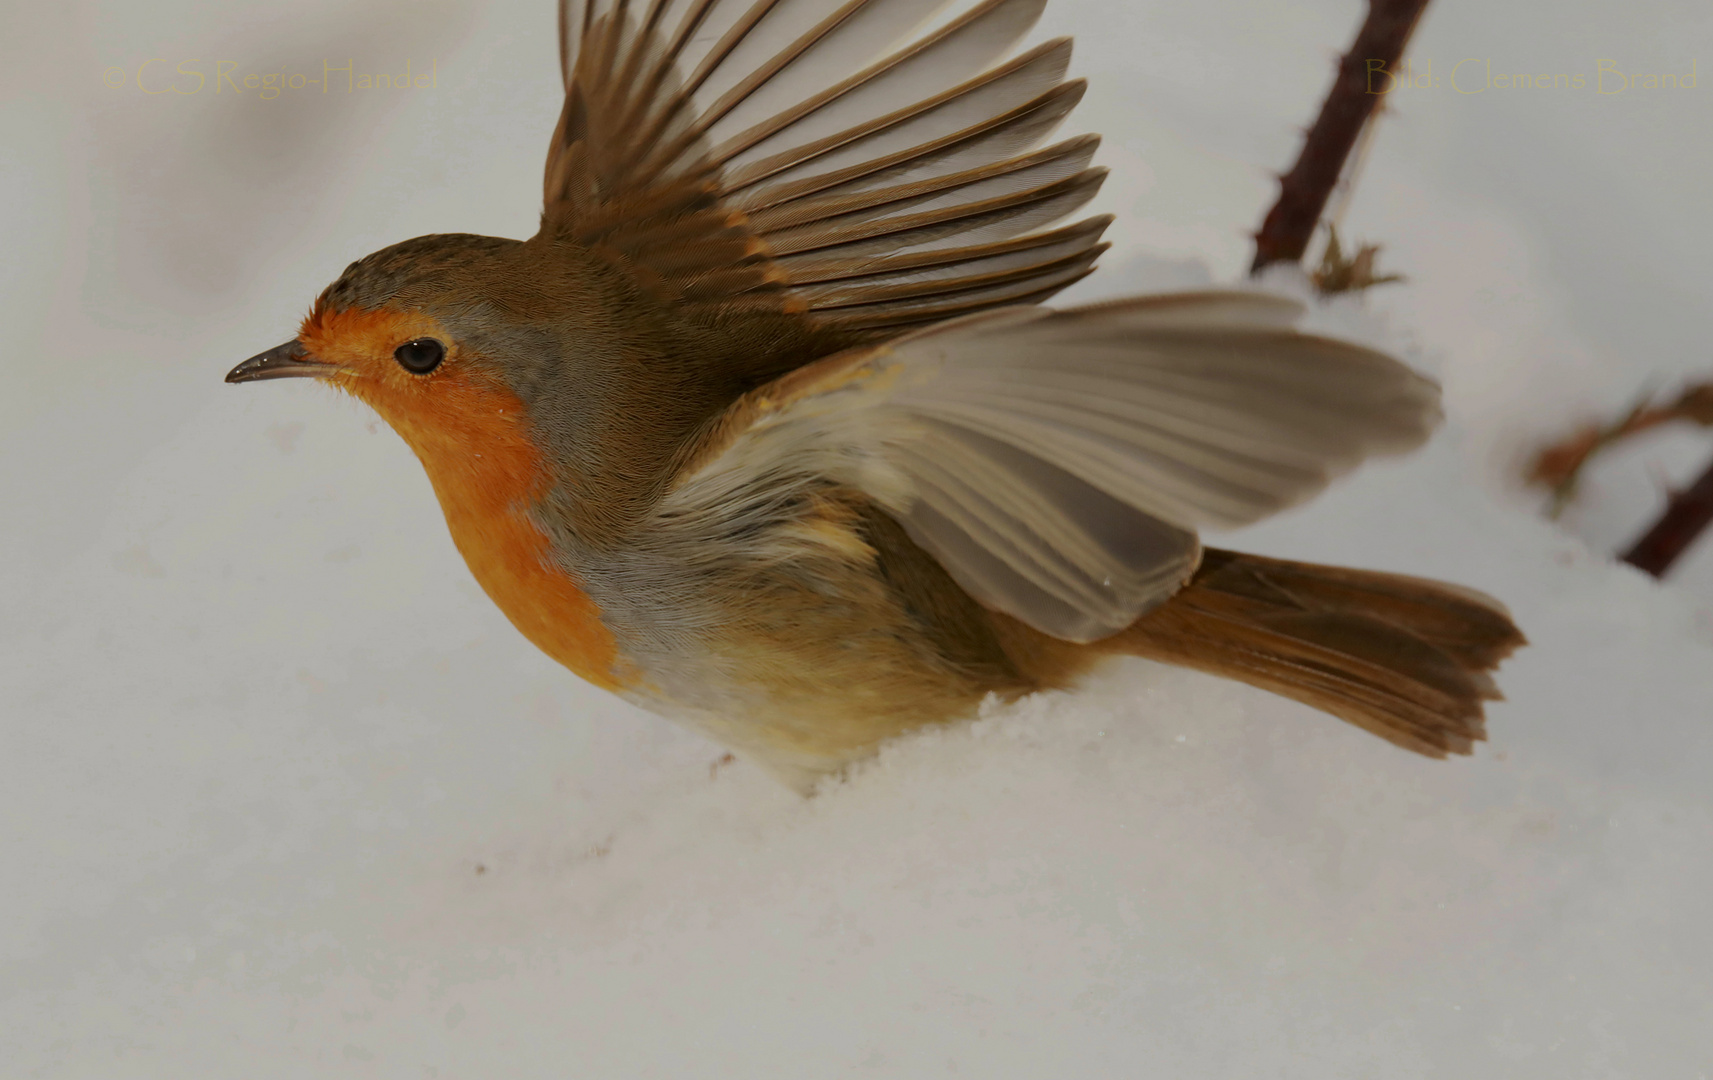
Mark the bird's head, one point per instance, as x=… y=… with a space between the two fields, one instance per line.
x=487 y=358
x=528 y=362
x=419 y=332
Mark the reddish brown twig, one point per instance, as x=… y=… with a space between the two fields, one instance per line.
x=1560 y=465
x=1688 y=513
x=1303 y=191
x=1341 y=273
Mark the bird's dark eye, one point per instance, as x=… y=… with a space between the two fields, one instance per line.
x=420 y=356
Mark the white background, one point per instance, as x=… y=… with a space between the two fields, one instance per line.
x=281 y=794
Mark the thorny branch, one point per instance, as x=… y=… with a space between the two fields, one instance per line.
x=1688 y=513
x=1559 y=467
x=1303 y=195
x=1690 y=510
x=1303 y=191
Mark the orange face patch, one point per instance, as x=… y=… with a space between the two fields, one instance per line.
x=470 y=433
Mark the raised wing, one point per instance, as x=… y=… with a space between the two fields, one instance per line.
x=1058 y=463
x=837 y=159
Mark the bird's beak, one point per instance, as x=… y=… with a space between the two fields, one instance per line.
x=286 y=361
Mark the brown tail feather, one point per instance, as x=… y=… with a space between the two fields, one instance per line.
x=1402 y=657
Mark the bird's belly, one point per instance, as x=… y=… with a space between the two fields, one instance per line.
x=803 y=645
x=812 y=684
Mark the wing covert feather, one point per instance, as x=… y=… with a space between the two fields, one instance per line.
x=1059 y=463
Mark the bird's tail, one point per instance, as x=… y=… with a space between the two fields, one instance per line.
x=1402 y=657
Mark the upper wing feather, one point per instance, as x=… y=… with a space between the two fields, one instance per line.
x=849 y=162
x=1058 y=463
x=835 y=159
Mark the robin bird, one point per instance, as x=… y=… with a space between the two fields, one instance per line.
x=765 y=430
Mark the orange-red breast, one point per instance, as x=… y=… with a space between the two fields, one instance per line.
x=764 y=431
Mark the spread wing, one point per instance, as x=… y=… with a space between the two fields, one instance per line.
x=837 y=158
x=1058 y=463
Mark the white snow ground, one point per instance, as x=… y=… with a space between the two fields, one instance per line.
x=284 y=796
